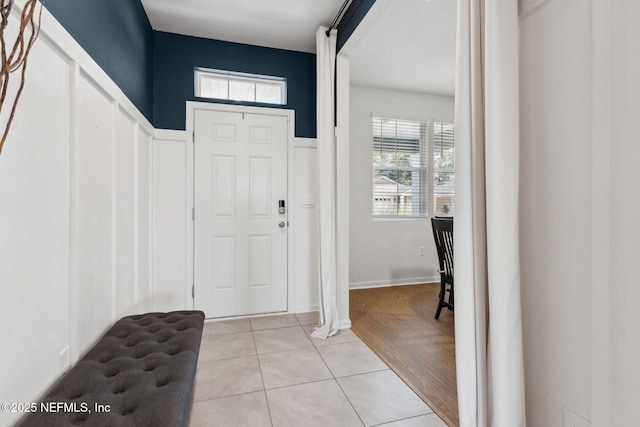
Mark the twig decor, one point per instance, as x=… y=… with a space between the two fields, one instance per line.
x=15 y=52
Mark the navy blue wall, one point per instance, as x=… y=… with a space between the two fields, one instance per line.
x=118 y=36
x=155 y=69
x=351 y=19
x=176 y=56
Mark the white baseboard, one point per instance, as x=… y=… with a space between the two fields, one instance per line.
x=306 y=308
x=344 y=324
x=394 y=282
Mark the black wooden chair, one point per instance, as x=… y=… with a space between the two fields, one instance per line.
x=443 y=236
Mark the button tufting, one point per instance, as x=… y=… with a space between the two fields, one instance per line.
x=110 y=370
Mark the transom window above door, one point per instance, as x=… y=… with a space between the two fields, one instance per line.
x=233 y=86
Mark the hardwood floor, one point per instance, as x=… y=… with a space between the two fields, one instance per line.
x=397 y=324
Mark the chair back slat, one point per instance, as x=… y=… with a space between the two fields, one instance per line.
x=443 y=236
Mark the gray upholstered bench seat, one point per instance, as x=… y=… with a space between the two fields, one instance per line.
x=143 y=370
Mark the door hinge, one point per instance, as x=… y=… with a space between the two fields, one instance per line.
x=193 y=291
x=193 y=214
x=193 y=137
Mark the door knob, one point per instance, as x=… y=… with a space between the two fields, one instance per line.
x=281 y=224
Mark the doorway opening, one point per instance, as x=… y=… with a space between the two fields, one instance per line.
x=402 y=67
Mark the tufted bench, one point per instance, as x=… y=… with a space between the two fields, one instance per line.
x=143 y=370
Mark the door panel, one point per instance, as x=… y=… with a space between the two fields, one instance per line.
x=240 y=248
x=223 y=194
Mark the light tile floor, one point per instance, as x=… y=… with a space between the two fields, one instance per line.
x=268 y=371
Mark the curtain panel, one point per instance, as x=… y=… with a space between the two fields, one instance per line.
x=328 y=272
x=488 y=326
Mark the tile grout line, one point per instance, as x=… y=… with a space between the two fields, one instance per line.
x=264 y=388
x=365 y=373
x=325 y=363
x=298 y=384
x=335 y=379
x=349 y=400
x=409 y=418
x=266 y=398
x=318 y=352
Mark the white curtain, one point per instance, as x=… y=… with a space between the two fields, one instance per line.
x=488 y=324
x=328 y=273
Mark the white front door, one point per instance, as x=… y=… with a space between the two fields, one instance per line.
x=240 y=238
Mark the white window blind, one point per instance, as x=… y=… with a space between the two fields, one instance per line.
x=407 y=156
x=221 y=84
x=399 y=167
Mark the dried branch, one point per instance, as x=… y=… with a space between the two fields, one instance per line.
x=27 y=33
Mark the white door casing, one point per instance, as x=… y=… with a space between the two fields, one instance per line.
x=240 y=238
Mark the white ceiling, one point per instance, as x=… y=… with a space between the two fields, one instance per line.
x=283 y=24
x=405 y=45
x=401 y=44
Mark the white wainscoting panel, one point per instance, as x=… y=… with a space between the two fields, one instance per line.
x=96 y=290
x=124 y=195
x=144 y=289
x=75 y=188
x=34 y=231
x=169 y=221
x=304 y=220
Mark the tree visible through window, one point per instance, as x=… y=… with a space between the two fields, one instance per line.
x=413 y=168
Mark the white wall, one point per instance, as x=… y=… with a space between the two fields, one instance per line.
x=623 y=336
x=74 y=216
x=383 y=251
x=555 y=209
x=579 y=239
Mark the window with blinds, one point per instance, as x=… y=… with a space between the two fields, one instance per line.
x=407 y=157
x=221 y=84
x=399 y=167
